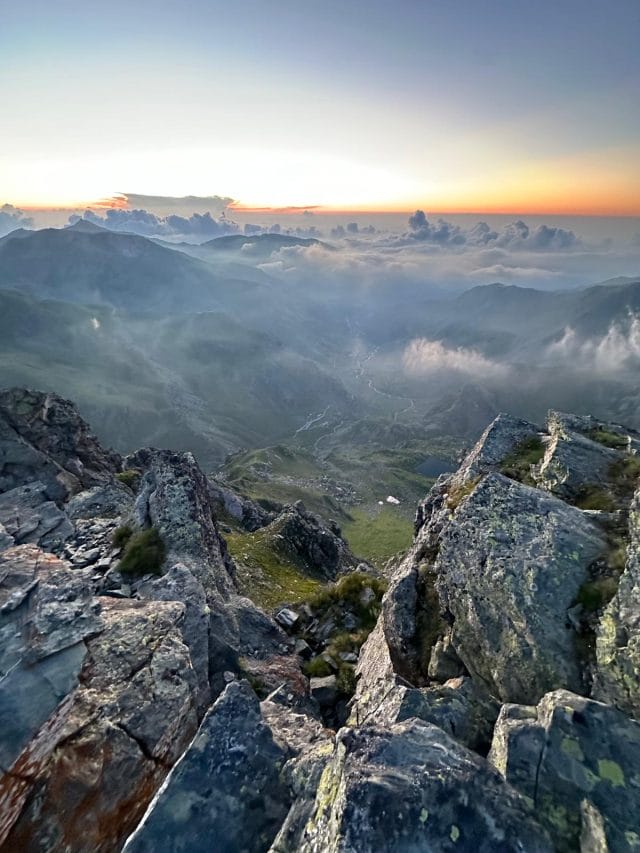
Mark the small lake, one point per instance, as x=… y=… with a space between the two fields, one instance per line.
x=433 y=466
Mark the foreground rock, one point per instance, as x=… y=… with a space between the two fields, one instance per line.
x=226 y=793
x=410 y=787
x=121 y=711
x=578 y=762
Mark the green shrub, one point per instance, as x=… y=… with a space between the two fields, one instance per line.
x=608 y=438
x=130 y=477
x=121 y=535
x=317 y=668
x=144 y=553
x=346 y=680
x=517 y=464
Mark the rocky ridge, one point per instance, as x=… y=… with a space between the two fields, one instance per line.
x=496 y=701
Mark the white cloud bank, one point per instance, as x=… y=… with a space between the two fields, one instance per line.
x=423 y=357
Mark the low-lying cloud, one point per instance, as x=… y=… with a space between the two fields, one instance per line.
x=423 y=357
x=11 y=218
x=617 y=350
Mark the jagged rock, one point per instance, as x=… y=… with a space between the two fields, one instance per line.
x=508 y=569
x=444 y=662
x=577 y=761
x=410 y=787
x=82 y=783
x=250 y=515
x=307 y=539
x=499 y=439
x=226 y=791
x=303 y=774
x=617 y=677
x=178 y=584
x=29 y=517
x=111 y=500
x=43 y=438
x=460 y=707
x=46 y=611
x=173 y=496
x=573 y=461
x=293 y=720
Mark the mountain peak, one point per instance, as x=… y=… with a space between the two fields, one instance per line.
x=84 y=226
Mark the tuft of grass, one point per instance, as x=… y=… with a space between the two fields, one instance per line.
x=592 y=496
x=317 y=668
x=349 y=590
x=121 y=535
x=608 y=438
x=517 y=464
x=130 y=477
x=595 y=594
x=460 y=492
x=625 y=474
x=144 y=554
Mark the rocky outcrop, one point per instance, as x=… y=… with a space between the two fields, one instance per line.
x=226 y=792
x=409 y=787
x=578 y=762
x=250 y=515
x=303 y=538
x=44 y=439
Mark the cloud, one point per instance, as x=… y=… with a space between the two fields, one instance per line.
x=423 y=357
x=163 y=205
x=442 y=232
x=148 y=224
x=11 y=218
x=544 y=238
x=516 y=235
x=614 y=352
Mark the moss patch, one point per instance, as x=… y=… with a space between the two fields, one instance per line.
x=608 y=438
x=517 y=464
x=460 y=492
x=130 y=477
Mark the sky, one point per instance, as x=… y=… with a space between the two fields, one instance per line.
x=488 y=107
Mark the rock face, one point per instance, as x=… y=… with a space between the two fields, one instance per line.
x=578 y=762
x=226 y=791
x=508 y=570
x=618 y=638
